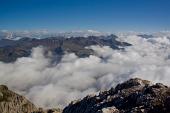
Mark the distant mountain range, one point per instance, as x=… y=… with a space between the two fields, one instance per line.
x=40 y=34
x=4 y=34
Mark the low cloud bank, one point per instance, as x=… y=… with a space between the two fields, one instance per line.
x=55 y=85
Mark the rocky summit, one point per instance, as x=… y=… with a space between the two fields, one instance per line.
x=133 y=96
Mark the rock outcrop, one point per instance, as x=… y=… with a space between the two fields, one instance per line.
x=11 y=102
x=133 y=96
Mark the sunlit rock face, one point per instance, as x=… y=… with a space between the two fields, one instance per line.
x=11 y=102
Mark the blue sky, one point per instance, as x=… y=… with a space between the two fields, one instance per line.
x=102 y=15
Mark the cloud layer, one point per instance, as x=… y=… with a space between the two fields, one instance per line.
x=55 y=85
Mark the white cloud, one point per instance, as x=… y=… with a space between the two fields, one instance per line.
x=49 y=85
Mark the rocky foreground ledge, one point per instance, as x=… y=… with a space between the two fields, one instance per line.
x=133 y=96
x=11 y=102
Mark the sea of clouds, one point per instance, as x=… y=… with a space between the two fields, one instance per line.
x=55 y=85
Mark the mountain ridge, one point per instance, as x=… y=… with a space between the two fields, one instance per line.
x=132 y=96
x=10 y=50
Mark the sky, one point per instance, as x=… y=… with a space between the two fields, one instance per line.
x=101 y=15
